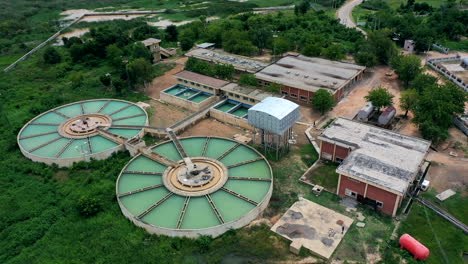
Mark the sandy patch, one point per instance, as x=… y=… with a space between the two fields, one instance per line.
x=75 y=33
x=212 y=127
x=164 y=23
x=165 y=115
x=165 y=81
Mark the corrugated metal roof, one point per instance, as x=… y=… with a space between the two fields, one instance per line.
x=276 y=107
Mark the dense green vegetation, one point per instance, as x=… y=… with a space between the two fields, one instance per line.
x=323 y=101
x=313 y=33
x=220 y=71
x=425 y=23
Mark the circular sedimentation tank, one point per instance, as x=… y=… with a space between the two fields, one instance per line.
x=222 y=185
x=69 y=133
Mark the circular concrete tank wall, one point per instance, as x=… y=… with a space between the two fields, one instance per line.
x=232 y=186
x=69 y=133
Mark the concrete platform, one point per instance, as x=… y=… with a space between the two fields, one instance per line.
x=313 y=226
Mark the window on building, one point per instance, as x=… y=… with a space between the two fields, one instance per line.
x=192 y=83
x=294 y=95
x=284 y=93
x=185 y=81
x=231 y=94
x=350 y=193
x=209 y=88
x=252 y=100
x=237 y=96
x=326 y=156
x=379 y=204
x=303 y=98
x=245 y=98
x=198 y=84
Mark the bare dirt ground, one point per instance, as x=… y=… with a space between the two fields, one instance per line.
x=167 y=80
x=164 y=115
x=213 y=128
x=448 y=171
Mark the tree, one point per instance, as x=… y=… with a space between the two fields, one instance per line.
x=380 y=44
x=435 y=108
x=139 y=71
x=302 y=7
x=367 y=59
x=380 y=97
x=114 y=55
x=248 y=80
x=407 y=67
x=171 y=33
x=422 y=81
x=51 y=56
x=323 y=100
x=88 y=206
x=145 y=31
x=223 y=71
x=334 y=52
x=280 y=45
x=138 y=50
x=260 y=37
x=187 y=39
x=313 y=50
x=408 y=100
x=105 y=79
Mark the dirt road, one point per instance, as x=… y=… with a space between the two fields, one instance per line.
x=165 y=81
x=344 y=14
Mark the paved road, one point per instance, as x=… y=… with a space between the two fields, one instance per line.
x=344 y=14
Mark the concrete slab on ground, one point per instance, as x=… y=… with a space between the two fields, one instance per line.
x=445 y=194
x=313 y=226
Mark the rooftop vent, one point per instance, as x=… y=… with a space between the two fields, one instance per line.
x=335 y=82
x=297 y=74
x=314 y=79
x=306 y=76
x=288 y=72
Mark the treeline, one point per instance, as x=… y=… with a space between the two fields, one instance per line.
x=419 y=22
x=119 y=46
x=432 y=104
x=312 y=33
x=221 y=71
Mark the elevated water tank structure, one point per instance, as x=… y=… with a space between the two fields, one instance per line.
x=365 y=112
x=419 y=251
x=387 y=116
x=274 y=117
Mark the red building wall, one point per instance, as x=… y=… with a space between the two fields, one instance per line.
x=386 y=197
x=340 y=152
x=348 y=183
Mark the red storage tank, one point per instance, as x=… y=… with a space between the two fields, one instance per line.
x=418 y=250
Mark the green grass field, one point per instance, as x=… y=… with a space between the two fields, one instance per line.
x=325 y=175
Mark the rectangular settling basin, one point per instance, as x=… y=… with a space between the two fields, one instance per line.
x=176 y=89
x=240 y=112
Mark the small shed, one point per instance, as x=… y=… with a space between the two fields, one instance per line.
x=274 y=114
x=409 y=45
x=387 y=116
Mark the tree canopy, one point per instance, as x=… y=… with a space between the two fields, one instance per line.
x=323 y=100
x=380 y=97
x=407 y=67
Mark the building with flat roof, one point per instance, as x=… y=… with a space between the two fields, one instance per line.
x=200 y=81
x=240 y=63
x=300 y=76
x=244 y=94
x=377 y=166
x=221 y=88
